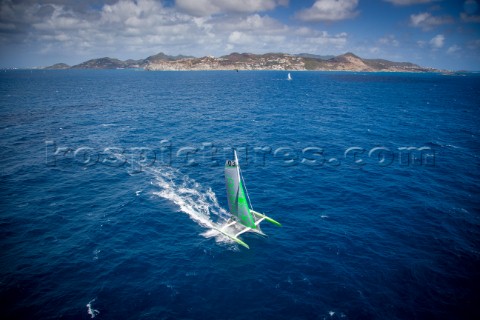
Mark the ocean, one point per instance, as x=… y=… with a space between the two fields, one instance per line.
x=112 y=182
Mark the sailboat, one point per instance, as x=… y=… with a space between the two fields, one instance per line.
x=243 y=215
x=289 y=77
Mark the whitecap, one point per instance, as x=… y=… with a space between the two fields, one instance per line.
x=452 y=146
x=92 y=312
x=95 y=254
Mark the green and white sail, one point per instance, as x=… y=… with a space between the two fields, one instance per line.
x=237 y=195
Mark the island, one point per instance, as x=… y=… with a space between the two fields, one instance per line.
x=249 y=61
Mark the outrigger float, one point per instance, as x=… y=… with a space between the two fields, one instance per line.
x=241 y=209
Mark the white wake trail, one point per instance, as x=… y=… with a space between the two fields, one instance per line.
x=198 y=202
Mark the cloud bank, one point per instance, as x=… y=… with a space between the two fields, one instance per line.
x=43 y=32
x=134 y=29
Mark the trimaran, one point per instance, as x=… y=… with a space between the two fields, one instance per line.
x=241 y=209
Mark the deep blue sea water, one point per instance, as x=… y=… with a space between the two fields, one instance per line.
x=111 y=182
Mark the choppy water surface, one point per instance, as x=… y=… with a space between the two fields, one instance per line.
x=112 y=181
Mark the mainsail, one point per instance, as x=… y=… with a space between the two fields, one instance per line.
x=237 y=196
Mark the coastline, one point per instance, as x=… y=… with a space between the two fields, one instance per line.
x=348 y=62
x=434 y=71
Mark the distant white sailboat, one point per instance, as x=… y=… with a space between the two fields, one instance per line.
x=289 y=76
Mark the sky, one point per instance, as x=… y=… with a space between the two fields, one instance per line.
x=442 y=34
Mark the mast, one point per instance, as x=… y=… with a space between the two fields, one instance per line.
x=236 y=162
x=241 y=178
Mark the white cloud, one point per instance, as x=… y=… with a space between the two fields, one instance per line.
x=323 y=40
x=438 y=41
x=427 y=22
x=421 y=43
x=389 y=40
x=238 y=37
x=453 y=49
x=289 y=40
x=61 y=20
x=198 y=7
x=408 y=2
x=209 y=7
x=140 y=27
x=135 y=29
x=329 y=10
x=254 y=23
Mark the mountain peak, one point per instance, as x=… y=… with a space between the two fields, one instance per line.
x=58 y=66
x=349 y=54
